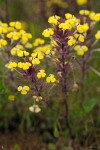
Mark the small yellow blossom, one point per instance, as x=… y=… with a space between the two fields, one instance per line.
x=81 y=49
x=71 y=41
x=38 y=55
x=28 y=45
x=97 y=35
x=81 y=2
x=79 y=37
x=83 y=28
x=48 y=32
x=38 y=42
x=35 y=108
x=24 y=66
x=68 y=16
x=53 y=19
x=35 y=61
x=11 y=97
x=12 y=65
x=16 y=25
x=84 y=12
x=23 y=89
x=51 y=79
x=3 y=28
x=14 y=35
x=41 y=74
x=3 y=43
x=94 y=16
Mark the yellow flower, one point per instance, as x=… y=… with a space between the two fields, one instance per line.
x=79 y=37
x=84 y=12
x=68 y=16
x=41 y=74
x=14 y=35
x=28 y=45
x=81 y=2
x=24 y=66
x=11 y=97
x=48 y=32
x=35 y=108
x=81 y=49
x=82 y=28
x=65 y=26
x=38 y=42
x=3 y=43
x=25 y=36
x=23 y=89
x=12 y=65
x=94 y=16
x=97 y=35
x=16 y=25
x=35 y=61
x=3 y=28
x=71 y=41
x=38 y=55
x=53 y=19
x=51 y=79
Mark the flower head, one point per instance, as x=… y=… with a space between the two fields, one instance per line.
x=23 y=89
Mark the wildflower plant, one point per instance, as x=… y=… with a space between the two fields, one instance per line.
x=70 y=40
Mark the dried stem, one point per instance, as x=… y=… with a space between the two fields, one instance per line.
x=64 y=91
x=82 y=80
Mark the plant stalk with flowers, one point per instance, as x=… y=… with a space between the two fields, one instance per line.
x=70 y=40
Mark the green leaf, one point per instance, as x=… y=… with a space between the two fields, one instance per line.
x=88 y=105
x=56 y=132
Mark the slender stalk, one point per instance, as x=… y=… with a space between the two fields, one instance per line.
x=82 y=81
x=64 y=91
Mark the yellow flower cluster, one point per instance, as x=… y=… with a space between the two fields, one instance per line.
x=84 y=12
x=79 y=37
x=18 y=50
x=45 y=49
x=41 y=74
x=14 y=31
x=76 y=37
x=36 y=57
x=71 y=41
x=3 y=28
x=81 y=2
x=51 y=79
x=94 y=16
x=97 y=35
x=16 y=25
x=23 y=89
x=81 y=49
x=48 y=32
x=12 y=65
x=83 y=28
x=54 y=19
x=70 y=23
x=24 y=65
x=38 y=42
x=3 y=43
